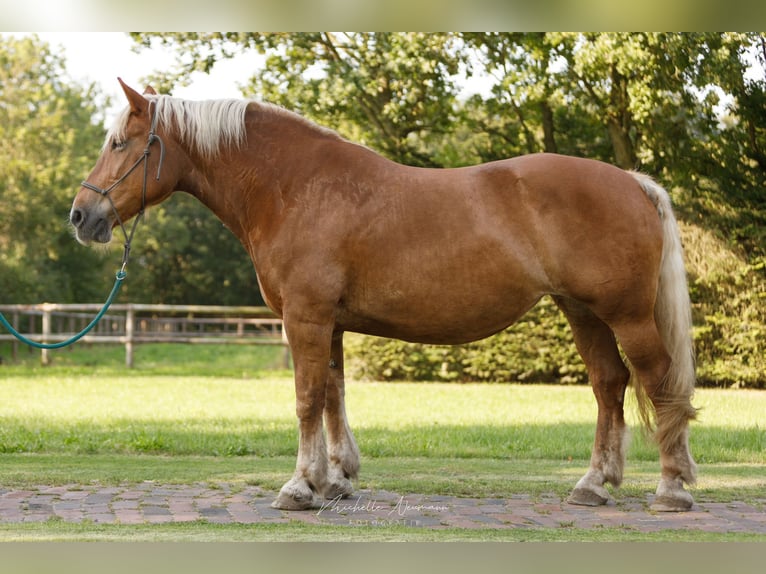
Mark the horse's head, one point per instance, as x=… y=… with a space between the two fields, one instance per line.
x=131 y=173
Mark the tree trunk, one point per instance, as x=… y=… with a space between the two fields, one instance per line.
x=549 y=132
x=624 y=151
x=619 y=120
x=529 y=137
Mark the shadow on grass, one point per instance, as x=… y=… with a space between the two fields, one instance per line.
x=277 y=437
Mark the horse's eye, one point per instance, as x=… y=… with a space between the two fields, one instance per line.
x=118 y=145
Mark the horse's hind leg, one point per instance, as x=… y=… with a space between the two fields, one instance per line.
x=609 y=378
x=644 y=348
x=343 y=453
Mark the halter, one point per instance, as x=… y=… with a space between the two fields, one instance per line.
x=121 y=274
x=144 y=158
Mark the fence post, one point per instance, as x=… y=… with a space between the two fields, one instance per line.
x=31 y=329
x=45 y=357
x=15 y=343
x=129 y=329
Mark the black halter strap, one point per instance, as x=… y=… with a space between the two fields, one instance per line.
x=144 y=158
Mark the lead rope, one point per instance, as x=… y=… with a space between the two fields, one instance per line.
x=122 y=273
x=119 y=278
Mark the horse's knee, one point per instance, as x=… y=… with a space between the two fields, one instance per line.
x=310 y=395
x=309 y=409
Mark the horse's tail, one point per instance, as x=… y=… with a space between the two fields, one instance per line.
x=672 y=313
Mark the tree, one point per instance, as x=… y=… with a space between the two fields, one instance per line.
x=525 y=84
x=184 y=255
x=393 y=92
x=733 y=66
x=397 y=84
x=48 y=129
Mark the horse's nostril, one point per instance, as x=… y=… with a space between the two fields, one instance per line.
x=77 y=217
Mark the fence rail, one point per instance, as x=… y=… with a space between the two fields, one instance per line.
x=131 y=324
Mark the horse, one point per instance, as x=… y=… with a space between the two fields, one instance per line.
x=345 y=240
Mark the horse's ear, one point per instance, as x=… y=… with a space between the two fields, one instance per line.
x=138 y=103
x=149 y=90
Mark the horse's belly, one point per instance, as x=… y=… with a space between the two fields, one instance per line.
x=439 y=315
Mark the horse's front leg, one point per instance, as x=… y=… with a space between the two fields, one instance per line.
x=342 y=450
x=310 y=346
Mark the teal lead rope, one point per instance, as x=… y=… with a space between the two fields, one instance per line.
x=119 y=278
x=121 y=274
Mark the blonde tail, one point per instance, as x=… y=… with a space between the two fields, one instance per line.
x=673 y=316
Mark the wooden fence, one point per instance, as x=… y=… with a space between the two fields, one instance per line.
x=132 y=324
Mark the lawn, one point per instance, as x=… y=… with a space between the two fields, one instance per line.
x=179 y=421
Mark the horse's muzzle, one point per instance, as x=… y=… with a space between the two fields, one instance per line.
x=90 y=226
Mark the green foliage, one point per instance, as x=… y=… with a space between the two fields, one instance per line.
x=729 y=304
x=50 y=136
x=48 y=130
x=392 y=92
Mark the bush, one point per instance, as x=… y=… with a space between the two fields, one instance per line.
x=729 y=304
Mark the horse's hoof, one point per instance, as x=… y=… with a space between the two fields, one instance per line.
x=671 y=497
x=679 y=503
x=341 y=488
x=287 y=502
x=593 y=496
x=295 y=496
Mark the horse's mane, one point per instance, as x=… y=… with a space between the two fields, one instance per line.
x=207 y=125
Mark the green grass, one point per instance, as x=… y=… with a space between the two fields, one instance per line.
x=170 y=359
x=212 y=416
x=57 y=531
x=174 y=419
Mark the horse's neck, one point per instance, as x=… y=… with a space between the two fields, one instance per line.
x=246 y=187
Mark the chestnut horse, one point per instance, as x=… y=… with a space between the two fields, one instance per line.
x=343 y=239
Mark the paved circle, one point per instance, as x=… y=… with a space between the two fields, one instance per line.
x=149 y=502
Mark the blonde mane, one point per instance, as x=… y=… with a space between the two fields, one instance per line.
x=206 y=125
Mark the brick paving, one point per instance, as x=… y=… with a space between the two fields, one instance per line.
x=151 y=503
